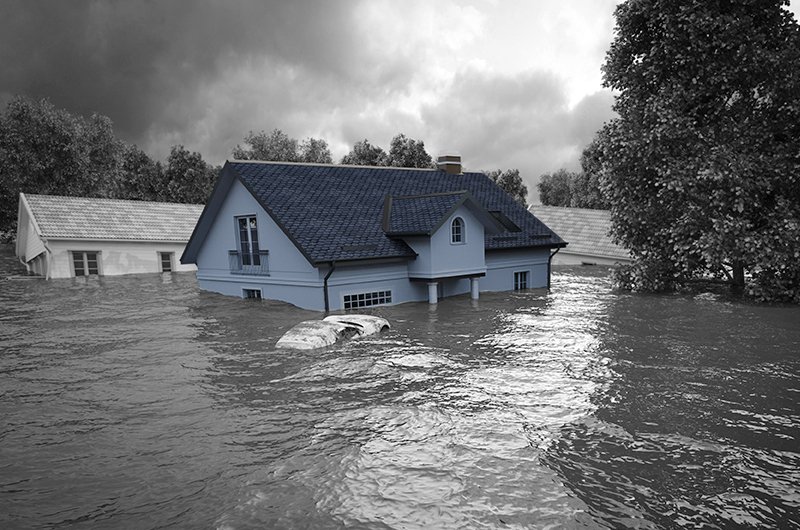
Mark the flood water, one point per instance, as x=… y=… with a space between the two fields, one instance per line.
x=140 y=402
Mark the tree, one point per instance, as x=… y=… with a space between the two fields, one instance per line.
x=315 y=151
x=405 y=152
x=188 y=178
x=365 y=154
x=586 y=190
x=701 y=167
x=555 y=188
x=47 y=150
x=276 y=146
x=143 y=178
x=511 y=183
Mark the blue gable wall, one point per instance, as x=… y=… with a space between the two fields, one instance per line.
x=291 y=277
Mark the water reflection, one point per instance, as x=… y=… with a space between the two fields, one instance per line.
x=439 y=422
x=701 y=425
x=142 y=402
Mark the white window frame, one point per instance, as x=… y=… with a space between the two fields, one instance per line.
x=365 y=299
x=518 y=275
x=252 y=250
x=171 y=256
x=85 y=259
x=246 y=292
x=462 y=231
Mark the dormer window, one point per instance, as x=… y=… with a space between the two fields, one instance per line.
x=457 y=231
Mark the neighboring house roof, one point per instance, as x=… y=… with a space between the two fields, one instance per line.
x=112 y=219
x=586 y=230
x=336 y=212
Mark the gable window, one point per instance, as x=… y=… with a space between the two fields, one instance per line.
x=84 y=262
x=457 y=231
x=248 y=240
x=166 y=259
x=520 y=280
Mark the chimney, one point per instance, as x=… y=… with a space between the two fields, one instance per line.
x=450 y=164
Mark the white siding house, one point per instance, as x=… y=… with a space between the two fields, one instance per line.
x=63 y=237
x=587 y=232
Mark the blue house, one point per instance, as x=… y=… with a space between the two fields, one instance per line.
x=332 y=237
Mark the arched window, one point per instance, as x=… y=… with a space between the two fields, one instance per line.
x=457 y=231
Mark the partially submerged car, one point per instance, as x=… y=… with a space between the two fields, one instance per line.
x=311 y=334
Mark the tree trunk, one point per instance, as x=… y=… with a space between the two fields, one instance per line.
x=738 y=275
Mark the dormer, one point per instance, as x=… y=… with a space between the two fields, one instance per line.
x=445 y=230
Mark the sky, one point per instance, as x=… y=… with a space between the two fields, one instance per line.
x=507 y=84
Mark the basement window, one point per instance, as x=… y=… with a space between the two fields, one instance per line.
x=251 y=294
x=520 y=280
x=355 y=301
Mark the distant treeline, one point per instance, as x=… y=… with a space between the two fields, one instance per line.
x=47 y=150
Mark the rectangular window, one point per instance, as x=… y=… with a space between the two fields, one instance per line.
x=166 y=261
x=251 y=294
x=520 y=280
x=248 y=240
x=354 y=301
x=84 y=262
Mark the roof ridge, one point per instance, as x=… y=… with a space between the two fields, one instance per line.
x=426 y=195
x=318 y=164
x=108 y=199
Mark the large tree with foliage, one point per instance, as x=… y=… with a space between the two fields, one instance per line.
x=188 y=177
x=47 y=150
x=555 y=188
x=702 y=166
x=511 y=182
x=280 y=147
x=364 y=153
x=407 y=152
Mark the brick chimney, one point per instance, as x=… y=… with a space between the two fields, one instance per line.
x=450 y=164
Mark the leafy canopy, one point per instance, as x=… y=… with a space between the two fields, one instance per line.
x=47 y=150
x=280 y=147
x=512 y=183
x=702 y=167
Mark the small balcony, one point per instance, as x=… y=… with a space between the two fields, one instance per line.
x=249 y=263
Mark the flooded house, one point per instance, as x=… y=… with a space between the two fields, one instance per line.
x=64 y=237
x=588 y=233
x=339 y=237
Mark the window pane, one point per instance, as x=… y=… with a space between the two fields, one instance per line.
x=77 y=261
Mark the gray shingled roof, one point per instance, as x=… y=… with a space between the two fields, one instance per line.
x=112 y=219
x=418 y=214
x=335 y=212
x=586 y=230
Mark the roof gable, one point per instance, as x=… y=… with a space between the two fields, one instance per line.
x=90 y=218
x=336 y=212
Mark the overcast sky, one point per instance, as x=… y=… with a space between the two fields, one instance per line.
x=504 y=83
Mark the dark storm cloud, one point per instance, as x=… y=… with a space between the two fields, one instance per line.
x=518 y=121
x=142 y=62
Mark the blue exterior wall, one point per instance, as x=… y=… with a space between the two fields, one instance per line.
x=502 y=264
x=438 y=256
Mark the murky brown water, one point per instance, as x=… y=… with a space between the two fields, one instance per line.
x=140 y=402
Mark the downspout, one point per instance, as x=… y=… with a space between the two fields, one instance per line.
x=49 y=261
x=549 y=260
x=325 y=285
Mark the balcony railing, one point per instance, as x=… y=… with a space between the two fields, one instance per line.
x=253 y=263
